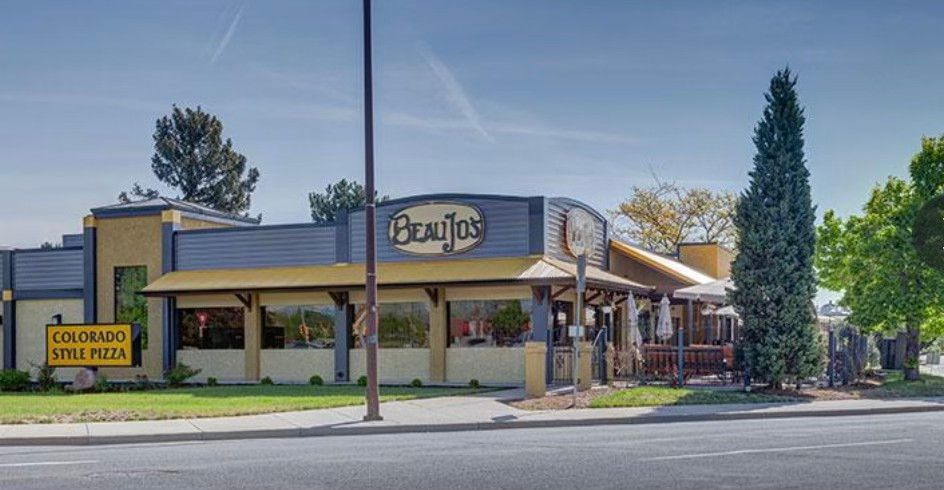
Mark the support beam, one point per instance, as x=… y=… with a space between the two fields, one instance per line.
x=9 y=311
x=433 y=294
x=542 y=324
x=253 y=339
x=170 y=225
x=343 y=320
x=560 y=291
x=245 y=299
x=438 y=335
x=89 y=244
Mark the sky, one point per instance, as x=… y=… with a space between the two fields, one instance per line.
x=581 y=99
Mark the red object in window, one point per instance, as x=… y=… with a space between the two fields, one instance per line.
x=202 y=318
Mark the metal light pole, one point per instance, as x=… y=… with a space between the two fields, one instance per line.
x=581 y=287
x=370 y=211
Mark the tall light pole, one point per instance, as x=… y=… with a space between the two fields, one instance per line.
x=370 y=211
x=581 y=238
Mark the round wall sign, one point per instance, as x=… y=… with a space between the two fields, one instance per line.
x=581 y=232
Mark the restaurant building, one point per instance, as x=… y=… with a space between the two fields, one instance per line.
x=464 y=281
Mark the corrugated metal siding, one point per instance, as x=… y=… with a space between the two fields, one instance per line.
x=506 y=230
x=555 y=242
x=3 y=267
x=54 y=269
x=74 y=240
x=255 y=247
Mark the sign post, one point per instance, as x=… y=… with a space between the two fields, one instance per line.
x=581 y=236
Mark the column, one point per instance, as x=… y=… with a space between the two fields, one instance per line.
x=89 y=242
x=343 y=316
x=541 y=325
x=170 y=224
x=9 y=310
x=438 y=335
x=253 y=338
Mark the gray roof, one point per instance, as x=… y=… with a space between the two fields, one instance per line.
x=157 y=204
x=712 y=292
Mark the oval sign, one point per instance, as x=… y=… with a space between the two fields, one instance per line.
x=436 y=228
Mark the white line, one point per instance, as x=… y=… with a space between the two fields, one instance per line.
x=777 y=450
x=46 y=463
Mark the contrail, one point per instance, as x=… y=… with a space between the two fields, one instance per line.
x=454 y=91
x=229 y=34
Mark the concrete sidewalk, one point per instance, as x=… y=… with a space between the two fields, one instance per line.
x=458 y=413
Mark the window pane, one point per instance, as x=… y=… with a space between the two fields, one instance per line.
x=400 y=325
x=298 y=327
x=211 y=328
x=131 y=307
x=489 y=323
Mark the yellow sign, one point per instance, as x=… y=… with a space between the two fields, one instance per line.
x=92 y=346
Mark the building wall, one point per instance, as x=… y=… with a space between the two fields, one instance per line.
x=297 y=365
x=31 y=319
x=710 y=258
x=224 y=365
x=131 y=241
x=498 y=365
x=45 y=270
x=394 y=365
x=624 y=266
x=556 y=240
x=256 y=246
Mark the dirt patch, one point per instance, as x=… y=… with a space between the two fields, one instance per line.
x=563 y=400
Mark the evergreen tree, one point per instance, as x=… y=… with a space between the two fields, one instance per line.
x=191 y=156
x=773 y=271
x=342 y=195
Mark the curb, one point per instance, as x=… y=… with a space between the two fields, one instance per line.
x=327 y=431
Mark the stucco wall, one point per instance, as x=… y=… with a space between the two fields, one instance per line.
x=297 y=365
x=395 y=365
x=131 y=242
x=504 y=365
x=224 y=365
x=31 y=320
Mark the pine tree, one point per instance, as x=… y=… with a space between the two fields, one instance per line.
x=773 y=272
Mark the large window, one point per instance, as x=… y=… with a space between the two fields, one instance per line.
x=298 y=327
x=400 y=325
x=489 y=323
x=211 y=328
x=131 y=307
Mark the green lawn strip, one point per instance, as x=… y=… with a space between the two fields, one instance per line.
x=896 y=387
x=649 y=396
x=219 y=401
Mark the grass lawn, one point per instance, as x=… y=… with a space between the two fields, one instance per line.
x=17 y=408
x=896 y=387
x=648 y=396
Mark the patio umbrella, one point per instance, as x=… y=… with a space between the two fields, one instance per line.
x=634 y=322
x=664 y=329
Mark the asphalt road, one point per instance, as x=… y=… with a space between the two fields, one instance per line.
x=890 y=451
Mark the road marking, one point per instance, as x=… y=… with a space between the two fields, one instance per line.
x=777 y=450
x=46 y=463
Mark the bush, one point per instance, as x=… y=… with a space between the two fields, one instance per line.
x=211 y=381
x=474 y=383
x=181 y=373
x=267 y=381
x=14 y=380
x=46 y=377
x=315 y=380
x=416 y=383
x=362 y=381
x=101 y=383
x=141 y=382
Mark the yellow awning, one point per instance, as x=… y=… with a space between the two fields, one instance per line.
x=528 y=270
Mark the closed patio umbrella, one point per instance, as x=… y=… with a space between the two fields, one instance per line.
x=634 y=322
x=664 y=329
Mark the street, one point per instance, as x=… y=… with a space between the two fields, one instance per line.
x=889 y=451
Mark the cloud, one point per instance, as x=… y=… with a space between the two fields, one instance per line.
x=455 y=93
x=229 y=34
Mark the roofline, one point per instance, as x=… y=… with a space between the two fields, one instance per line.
x=445 y=196
x=630 y=249
x=213 y=215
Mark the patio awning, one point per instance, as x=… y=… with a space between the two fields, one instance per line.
x=524 y=270
x=712 y=292
x=667 y=265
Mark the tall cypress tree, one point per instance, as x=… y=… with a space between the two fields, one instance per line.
x=773 y=272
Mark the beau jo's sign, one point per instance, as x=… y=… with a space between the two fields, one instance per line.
x=93 y=345
x=436 y=228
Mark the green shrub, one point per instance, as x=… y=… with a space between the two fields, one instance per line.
x=362 y=381
x=267 y=381
x=474 y=383
x=315 y=380
x=101 y=383
x=211 y=381
x=14 y=380
x=180 y=374
x=142 y=382
x=46 y=377
x=416 y=383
